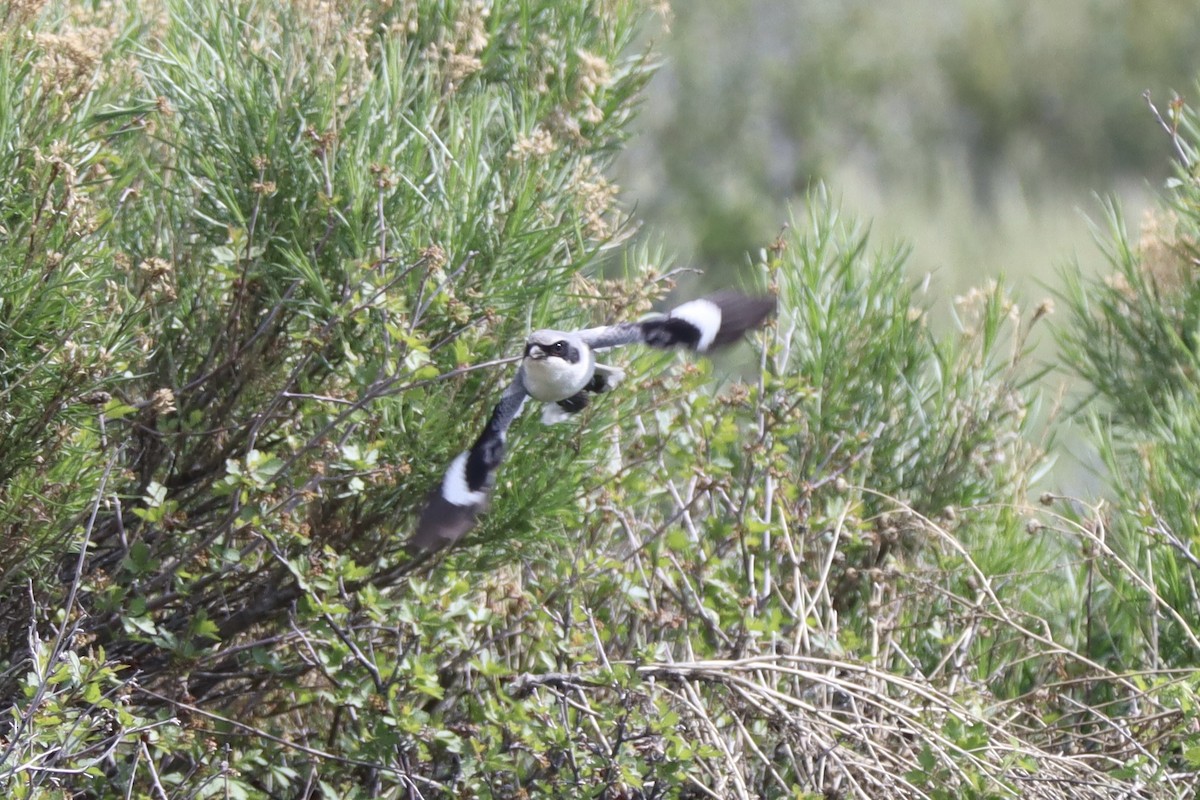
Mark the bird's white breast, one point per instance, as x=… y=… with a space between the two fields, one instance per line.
x=554 y=379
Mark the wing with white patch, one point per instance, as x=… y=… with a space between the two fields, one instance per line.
x=701 y=325
x=456 y=502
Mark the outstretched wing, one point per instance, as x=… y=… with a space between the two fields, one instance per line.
x=701 y=325
x=456 y=502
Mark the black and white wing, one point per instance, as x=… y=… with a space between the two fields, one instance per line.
x=456 y=502
x=701 y=325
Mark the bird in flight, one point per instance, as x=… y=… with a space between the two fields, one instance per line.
x=559 y=368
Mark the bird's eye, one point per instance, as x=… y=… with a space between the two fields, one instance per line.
x=559 y=347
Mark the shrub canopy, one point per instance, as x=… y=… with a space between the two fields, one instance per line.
x=260 y=269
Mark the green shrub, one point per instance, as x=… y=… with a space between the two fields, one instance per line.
x=1133 y=342
x=266 y=284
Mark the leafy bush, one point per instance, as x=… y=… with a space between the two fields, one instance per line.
x=1133 y=342
x=265 y=286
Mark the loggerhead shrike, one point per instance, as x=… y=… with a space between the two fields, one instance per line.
x=559 y=368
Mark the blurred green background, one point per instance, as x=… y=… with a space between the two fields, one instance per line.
x=981 y=132
x=986 y=135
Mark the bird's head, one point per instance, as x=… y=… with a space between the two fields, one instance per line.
x=548 y=344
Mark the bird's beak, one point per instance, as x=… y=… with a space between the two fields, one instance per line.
x=535 y=352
